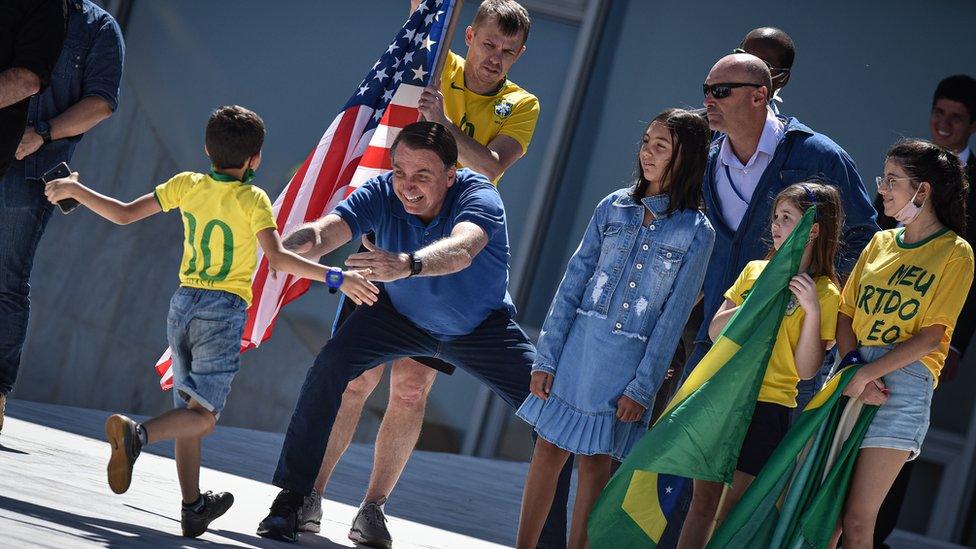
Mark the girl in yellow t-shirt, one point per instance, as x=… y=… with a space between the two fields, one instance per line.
x=806 y=331
x=897 y=311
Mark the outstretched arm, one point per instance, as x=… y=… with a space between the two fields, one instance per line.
x=314 y=239
x=354 y=283
x=116 y=211
x=446 y=256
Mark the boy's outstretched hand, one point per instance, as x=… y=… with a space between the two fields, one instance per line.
x=63 y=188
x=359 y=290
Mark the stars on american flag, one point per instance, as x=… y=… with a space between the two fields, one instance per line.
x=381 y=75
x=407 y=60
x=419 y=73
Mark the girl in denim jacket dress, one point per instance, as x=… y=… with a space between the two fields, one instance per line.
x=616 y=319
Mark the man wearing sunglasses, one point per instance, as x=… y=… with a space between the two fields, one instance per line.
x=758 y=155
x=776 y=49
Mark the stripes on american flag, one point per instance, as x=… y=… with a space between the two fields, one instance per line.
x=352 y=150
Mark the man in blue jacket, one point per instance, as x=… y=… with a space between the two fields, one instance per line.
x=758 y=155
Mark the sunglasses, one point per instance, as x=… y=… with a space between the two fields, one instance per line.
x=723 y=90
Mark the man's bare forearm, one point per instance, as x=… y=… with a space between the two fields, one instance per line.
x=80 y=117
x=452 y=254
x=317 y=238
x=475 y=156
x=17 y=84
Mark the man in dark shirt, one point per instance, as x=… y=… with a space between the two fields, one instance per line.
x=83 y=91
x=31 y=34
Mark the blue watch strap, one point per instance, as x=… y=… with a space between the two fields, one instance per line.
x=334 y=278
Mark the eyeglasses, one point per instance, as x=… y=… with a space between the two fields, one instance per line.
x=885 y=183
x=774 y=72
x=723 y=90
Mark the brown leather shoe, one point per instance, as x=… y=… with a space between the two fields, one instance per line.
x=121 y=434
x=3 y=409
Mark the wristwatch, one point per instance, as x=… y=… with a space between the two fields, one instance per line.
x=43 y=129
x=333 y=279
x=416 y=265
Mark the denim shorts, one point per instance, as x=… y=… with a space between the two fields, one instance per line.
x=902 y=421
x=204 y=329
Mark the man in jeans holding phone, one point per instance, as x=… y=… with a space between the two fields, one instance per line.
x=84 y=90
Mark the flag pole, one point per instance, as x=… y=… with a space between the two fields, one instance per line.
x=445 y=48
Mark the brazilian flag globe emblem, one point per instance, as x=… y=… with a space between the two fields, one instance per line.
x=701 y=431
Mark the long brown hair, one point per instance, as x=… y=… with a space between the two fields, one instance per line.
x=686 y=167
x=829 y=216
x=925 y=161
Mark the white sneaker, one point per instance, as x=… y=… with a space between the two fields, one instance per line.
x=310 y=517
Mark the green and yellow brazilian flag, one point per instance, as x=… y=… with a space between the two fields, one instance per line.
x=701 y=431
x=799 y=494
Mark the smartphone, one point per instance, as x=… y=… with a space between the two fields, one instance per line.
x=58 y=172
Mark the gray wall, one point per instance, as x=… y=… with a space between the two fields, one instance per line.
x=864 y=75
x=101 y=292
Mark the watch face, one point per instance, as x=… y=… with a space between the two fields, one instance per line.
x=334 y=278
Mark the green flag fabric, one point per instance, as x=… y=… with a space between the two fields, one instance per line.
x=701 y=431
x=797 y=498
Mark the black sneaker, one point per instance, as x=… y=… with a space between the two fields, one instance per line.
x=195 y=523
x=369 y=527
x=282 y=522
x=121 y=434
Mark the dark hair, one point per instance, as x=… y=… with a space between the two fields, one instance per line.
x=431 y=136
x=686 y=168
x=830 y=218
x=234 y=134
x=925 y=161
x=776 y=39
x=509 y=15
x=961 y=88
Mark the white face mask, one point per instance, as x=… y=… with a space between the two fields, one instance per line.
x=910 y=210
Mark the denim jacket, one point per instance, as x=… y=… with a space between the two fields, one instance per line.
x=676 y=261
x=90 y=64
x=801 y=155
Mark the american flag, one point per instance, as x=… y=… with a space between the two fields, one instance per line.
x=352 y=150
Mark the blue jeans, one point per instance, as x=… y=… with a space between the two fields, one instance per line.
x=497 y=353
x=204 y=330
x=24 y=213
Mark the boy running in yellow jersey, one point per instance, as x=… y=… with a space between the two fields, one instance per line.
x=225 y=218
x=492 y=120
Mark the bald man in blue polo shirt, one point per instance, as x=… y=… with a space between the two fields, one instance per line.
x=442 y=251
